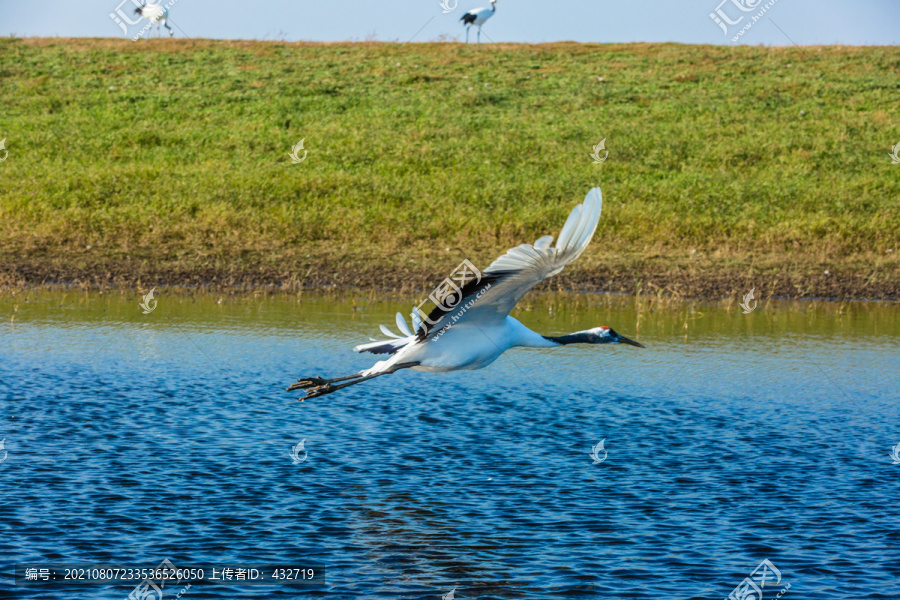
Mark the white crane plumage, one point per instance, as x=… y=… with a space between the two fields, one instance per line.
x=453 y=339
x=155 y=13
x=478 y=17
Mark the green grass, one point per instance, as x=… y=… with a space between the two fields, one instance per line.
x=416 y=148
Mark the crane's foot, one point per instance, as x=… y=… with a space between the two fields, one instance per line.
x=307 y=382
x=318 y=391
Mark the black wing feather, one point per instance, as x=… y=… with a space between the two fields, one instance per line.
x=469 y=291
x=388 y=348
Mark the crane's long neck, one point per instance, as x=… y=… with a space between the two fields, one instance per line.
x=579 y=337
x=521 y=336
x=493 y=6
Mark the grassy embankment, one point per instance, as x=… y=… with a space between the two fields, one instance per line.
x=166 y=162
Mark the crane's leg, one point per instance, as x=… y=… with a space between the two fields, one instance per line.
x=467 y=33
x=328 y=388
x=308 y=382
x=479 y=35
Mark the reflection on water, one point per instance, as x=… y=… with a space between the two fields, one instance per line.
x=731 y=438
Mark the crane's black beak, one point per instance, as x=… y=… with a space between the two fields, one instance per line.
x=624 y=340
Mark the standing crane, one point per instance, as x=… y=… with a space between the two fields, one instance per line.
x=155 y=14
x=478 y=17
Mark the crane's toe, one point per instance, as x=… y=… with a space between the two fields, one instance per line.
x=318 y=391
x=307 y=382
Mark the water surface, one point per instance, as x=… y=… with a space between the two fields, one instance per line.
x=732 y=438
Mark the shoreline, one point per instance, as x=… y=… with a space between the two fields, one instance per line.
x=696 y=279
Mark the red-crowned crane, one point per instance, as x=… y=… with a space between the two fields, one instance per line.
x=155 y=13
x=477 y=329
x=478 y=17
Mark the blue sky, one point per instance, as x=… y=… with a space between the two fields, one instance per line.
x=687 y=21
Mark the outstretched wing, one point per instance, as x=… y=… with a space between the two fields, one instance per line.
x=520 y=269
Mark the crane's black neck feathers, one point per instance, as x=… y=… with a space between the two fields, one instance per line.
x=580 y=337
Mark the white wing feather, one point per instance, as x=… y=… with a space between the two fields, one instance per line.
x=524 y=266
x=388 y=332
x=402 y=326
x=517 y=271
x=396 y=341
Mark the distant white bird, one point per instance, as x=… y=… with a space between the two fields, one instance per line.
x=477 y=329
x=478 y=17
x=155 y=13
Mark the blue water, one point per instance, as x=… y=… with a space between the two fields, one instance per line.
x=135 y=438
